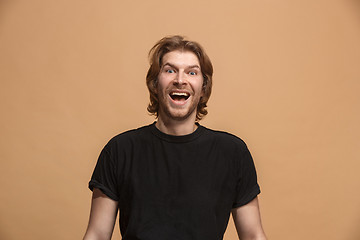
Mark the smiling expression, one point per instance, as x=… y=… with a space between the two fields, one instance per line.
x=179 y=85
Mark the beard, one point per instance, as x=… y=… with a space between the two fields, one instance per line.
x=167 y=110
x=178 y=114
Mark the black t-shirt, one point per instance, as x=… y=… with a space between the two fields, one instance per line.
x=175 y=187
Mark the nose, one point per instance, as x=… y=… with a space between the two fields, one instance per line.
x=180 y=78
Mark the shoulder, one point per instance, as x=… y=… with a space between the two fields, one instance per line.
x=128 y=138
x=132 y=133
x=227 y=139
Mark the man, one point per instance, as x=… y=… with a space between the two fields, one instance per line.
x=175 y=179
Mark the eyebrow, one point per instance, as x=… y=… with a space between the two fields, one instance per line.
x=173 y=66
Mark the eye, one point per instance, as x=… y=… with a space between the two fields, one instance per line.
x=169 y=71
x=192 y=73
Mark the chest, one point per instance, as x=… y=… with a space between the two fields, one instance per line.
x=179 y=175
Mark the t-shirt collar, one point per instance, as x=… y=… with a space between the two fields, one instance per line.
x=174 y=138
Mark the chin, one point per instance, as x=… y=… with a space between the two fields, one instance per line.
x=178 y=114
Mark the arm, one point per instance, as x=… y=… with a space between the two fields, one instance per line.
x=248 y=222
x=102 y=217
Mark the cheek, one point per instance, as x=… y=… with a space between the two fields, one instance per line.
x=162 y=82
x=200 y=87
x=161 y=88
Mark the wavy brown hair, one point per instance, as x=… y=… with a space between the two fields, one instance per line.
x=157 y=52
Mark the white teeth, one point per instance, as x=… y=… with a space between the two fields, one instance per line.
x=179 y=94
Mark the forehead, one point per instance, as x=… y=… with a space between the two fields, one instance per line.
x=181 y=58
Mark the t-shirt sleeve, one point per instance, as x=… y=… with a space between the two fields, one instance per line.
x=104 y=175
x=247 y=187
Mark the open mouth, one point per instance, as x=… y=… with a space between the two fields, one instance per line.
x=179 y=96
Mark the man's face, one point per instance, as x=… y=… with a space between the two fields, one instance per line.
x=179 y=85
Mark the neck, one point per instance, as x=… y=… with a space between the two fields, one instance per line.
x=176 y=127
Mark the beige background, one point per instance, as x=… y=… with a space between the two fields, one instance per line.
x=286 y=81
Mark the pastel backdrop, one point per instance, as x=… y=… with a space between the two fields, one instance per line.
x=286 y=81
